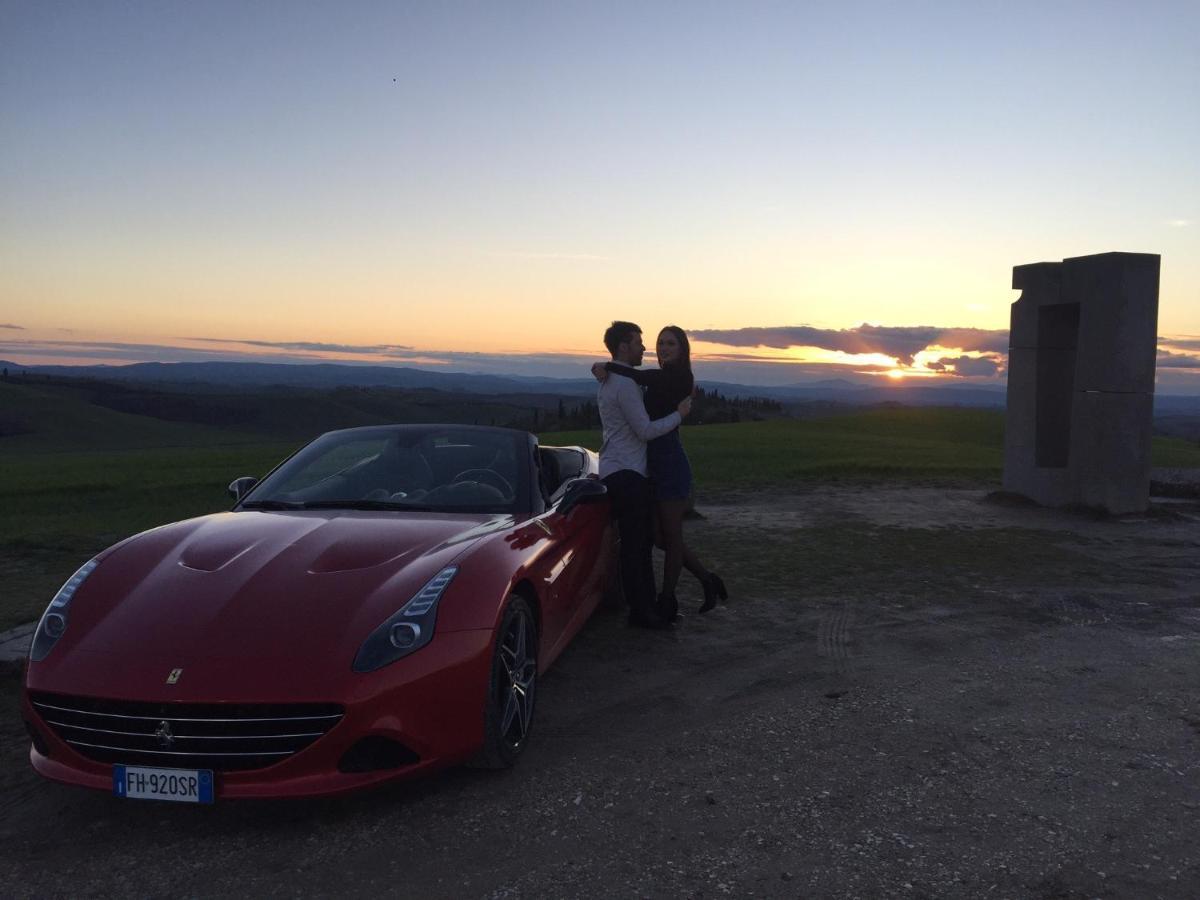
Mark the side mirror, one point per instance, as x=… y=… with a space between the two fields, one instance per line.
x=581 y=490
x=240 y=487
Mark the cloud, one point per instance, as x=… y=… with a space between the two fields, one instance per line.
x=735 y=364
x=562 y=364
x=119 y=353
x=776 y=362
x=13 y=327
x=965 y=366
x=1185 y=342
x=1177 y=381
x=902 y=343
x=741 y=368
x=1168 y=360
x=310 y=346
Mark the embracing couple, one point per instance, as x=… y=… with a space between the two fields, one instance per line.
x=647 y=473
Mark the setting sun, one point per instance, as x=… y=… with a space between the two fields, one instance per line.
x=895 y=374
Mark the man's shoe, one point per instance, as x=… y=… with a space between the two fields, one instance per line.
x=668 y=607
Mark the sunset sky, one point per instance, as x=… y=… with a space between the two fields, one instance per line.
x=809 y=188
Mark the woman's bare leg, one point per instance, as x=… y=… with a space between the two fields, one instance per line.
x=692 y=563
x=689 y=560
x=670 y=518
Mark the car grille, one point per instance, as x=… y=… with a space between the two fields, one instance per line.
x=220 y=736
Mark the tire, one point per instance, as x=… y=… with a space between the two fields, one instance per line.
x=512 y=688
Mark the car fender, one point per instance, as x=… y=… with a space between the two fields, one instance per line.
x=492 y=570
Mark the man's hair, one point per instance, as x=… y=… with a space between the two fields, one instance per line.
x=617 y=334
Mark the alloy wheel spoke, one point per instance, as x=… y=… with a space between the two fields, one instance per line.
x=520 y=665
x=519 y=660
x=510 y=667
x=510 y=712
x=527 y=707
x=523 y=709
x=519 y=625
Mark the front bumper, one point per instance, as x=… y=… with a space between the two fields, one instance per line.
x=431 y=702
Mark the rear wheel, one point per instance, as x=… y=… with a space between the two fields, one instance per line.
x=512 y=688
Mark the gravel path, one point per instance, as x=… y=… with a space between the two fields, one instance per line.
x=913 y=692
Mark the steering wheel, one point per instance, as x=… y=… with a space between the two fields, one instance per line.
x=490 y=477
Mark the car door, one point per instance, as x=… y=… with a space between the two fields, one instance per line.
x=572 y=568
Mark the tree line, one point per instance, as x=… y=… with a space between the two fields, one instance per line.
x=708 y=408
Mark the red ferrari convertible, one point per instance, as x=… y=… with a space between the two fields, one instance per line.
x=379 y=605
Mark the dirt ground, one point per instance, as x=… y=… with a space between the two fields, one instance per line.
x=913 y=691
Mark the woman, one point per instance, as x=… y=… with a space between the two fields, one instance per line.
x=670 y=471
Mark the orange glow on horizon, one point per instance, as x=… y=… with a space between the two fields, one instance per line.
x=33 y=347
x=727 y=353
x=904 y=374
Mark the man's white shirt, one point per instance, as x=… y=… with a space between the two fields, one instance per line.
x=626 y=425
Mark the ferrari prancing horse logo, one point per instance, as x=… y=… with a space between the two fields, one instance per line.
x=174 y=676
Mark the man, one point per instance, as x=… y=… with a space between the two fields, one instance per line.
x=627 y=428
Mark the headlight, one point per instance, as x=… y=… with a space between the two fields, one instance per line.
x=410 y=629
x=54 y=619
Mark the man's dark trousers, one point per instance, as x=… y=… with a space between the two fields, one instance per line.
x=632 y=507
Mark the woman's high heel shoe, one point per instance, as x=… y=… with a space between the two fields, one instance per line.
x=714 y=589
x=720 y=585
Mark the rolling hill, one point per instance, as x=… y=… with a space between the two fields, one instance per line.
x=83 y=414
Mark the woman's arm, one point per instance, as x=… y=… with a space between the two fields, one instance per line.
x=644 y=377
x=670 y=385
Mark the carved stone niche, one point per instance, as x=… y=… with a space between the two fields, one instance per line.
x=1082 y=347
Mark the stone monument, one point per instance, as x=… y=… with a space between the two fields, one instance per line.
x=1081 y=355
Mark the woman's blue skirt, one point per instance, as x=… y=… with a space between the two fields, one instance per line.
x=669 y=468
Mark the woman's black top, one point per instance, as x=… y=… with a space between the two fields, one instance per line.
x=665 y=388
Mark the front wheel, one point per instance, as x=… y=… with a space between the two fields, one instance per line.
x=508 y=714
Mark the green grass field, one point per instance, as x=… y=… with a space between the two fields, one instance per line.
x=38 y=418
x=62 y=508
x=877 y=443
x=99 y=477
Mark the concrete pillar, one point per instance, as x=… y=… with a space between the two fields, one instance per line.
x=1082 y=347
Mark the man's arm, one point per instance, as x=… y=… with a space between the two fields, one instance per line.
x=634 y=411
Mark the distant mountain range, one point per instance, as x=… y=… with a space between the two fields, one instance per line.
x=200 y=375
x=222 y=375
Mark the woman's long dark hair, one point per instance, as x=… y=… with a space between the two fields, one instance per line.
x=685 y=358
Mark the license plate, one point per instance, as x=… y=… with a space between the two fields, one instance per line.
x=179 y=785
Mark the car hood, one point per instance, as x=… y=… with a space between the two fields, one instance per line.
x=296 y=586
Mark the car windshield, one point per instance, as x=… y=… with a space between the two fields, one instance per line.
x=427 y=468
